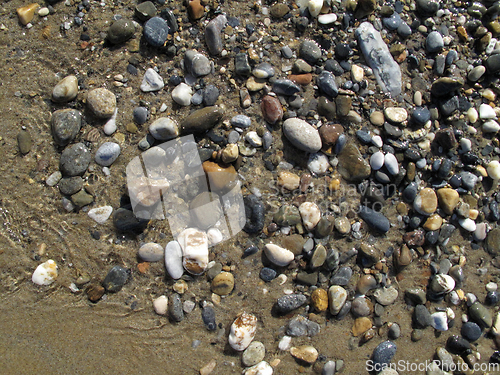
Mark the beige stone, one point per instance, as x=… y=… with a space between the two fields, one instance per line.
x=434 y=222
x=448 y=199
x=26 y=13
x=361 y=325
x=305 y=353
x=288 y=180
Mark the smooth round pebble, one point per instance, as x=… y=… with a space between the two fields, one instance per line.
x=151 y=252
x=107 y=154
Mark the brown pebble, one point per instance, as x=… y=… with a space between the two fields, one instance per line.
x=301 y=79
x=329 y=133
x=414 y=238
x=24 y=141
x=319 y=299
x=94 y=292
x=361 y=325
x=195 y=9
x=402 y=208
x=402 y=256
x=448 y=199
x=26 y=13
x=143 y=267
x=288 y=180
x=305 y=353
x=220 y=177
x=272 y=111
x=223 y=283
x=365 y=283
x=305 y=181
x=434 y=222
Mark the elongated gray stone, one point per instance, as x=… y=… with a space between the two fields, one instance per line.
x=376 y=52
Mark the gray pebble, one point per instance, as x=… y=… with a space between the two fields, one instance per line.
x=290 y=302
x=285 y=87
x=107 y=154
x=151 y=252
x=383 y=354
x=309 y=51
x=70 y=185
x=140 y=115
x=156 y=31
x=65 y=124
x=210 y=95
x=75 y=160
x=326 y=83
x=434 y=42
x=254 y=354
x=301 y=326
x=175 y=310
x=115 y=279
x=213 y=37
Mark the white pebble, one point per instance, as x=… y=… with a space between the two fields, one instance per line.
x=152 y=81
x=285 y=343
x=173 y=260
x=254 y=139
x=45 y=273
x=391 y=163
x=491 y=286
x=214 y=236
x=188 y=306
x=439 y=321
x=318 y=163
x=468 y=224
x=53 y=179
x=163 y=108
x=377 y=160
x=486 y=112
x=491 y=126
x=377 y=141
x=481 y=231
x=100 y=214
x=310 y=214
x=242 y=331
x=465 y=144
x=314 y=7
x=472 y=115
x=161 y=305
x=182 y=94
x=42 y=12
x=110 y=125
x=261 y=368
x=326 y=19
x=278 y=255
x=151 y=252
x=493 y=169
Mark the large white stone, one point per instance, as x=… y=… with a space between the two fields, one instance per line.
x=242 y=331
x=302 y=135
x=278 y=255
x=261 y=368
x=100 y=214
x=152 y=81
x=486 y=112
x=194 y=245
x=161 y=305
x=310 y=214
x=45 y=273
x=182 y=94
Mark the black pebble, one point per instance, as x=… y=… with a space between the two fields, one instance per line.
x=267 y=274
x=115 y=279
x=254 y=211
x=471 y=331
x=208 y=316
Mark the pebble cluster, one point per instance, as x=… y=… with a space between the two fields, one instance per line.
x=394 y=102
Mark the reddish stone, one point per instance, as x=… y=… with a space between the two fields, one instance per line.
x=414 y=238
x=271 y=109
x=301 y=79
x=329 y=133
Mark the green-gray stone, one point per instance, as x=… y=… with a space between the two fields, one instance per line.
x=327 y=108
x=65 y=125
x=492 y=242
x=70 y=185
x=82 y=198
x=319 y=256
x=324 y=227
x=446 y=85
x=307 y=278
x=287 y=216
x=481 y=315
x=24 y=141
x=344 y=104
x=201 y=120
x=144 y=11
x=352 y=166
x=121 y=31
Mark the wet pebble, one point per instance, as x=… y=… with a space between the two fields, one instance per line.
x=151 y=81
x=107 y=154
x=75 y=160
x=383 y=354
x=471 y=331
x=116 y=279
x=290 y=302
x=156 y=31
x=101 y=102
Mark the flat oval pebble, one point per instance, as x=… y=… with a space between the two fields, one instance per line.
x=383 y=354
x=253 y=354
x=272 y=111
x=107 y=153
x=151 y=252
x=100 y=214
x=115 y=279
x=156 y=31
x=223 y=283
x=337 y=297
x=374 y=219
x=305 y=353
x=121 y=31
x=241 y=121
x=173 y=260
x=377 y=160
x=391 y=163
x=302 y=135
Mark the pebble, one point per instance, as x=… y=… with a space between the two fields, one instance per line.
x=319 y=300
x=267 y=274
x=337 y=297
x=327 y=84
x=395 y=115
x=327 y=19
x=310 y=214
x=383 y=354
x=434 y=42
x=261 y=368
x=24 y=141
x=208 y=317
x=140 y=115
x=242 y=331
x=442 y=284
x=75 y=160
x=476 y=73
x=391 y=163
x=241 y=121
x=26 y=13
x=173 y=260
x=254 y=354
x=272 y=111
x=481 y=315
x=160 y=305
x=301 y=326
x=156 y=31
x=213 y=37
x=309 y=51
x=201 y=120
x=121 y=31
x=386 y=296
x=490 y=126
x=223 y=283
x=53 y=179
x=493 y=170
x=101 y=102
x=425 y=202
x=421 y=316
x=194 y=245
x=471 y=331
x=210 y=95
x=45 y=273
x=100 y=214
x=285 y=87
x=66 y=90
x=151 y=252
x=152 y=81
x=175 y=310
x=164 y=129
x=278 y=255
x=439 y=321
x=197 y=64
x=115 y=279
x=107 y=154
x=361 y=325
x=182 y=94
x=352 y=166
x=145 y=10
x=302 y=135
x=305 y=353
x=290 y=302
x=255 y=212
x=375 y=220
